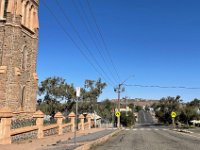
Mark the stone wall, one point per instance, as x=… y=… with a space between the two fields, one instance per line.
x=67 y=128
x=18 y=54
x=52 y=131
x=24 y=136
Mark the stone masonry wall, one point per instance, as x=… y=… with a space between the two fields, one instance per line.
x=18 y=54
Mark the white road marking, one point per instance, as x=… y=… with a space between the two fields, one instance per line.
x=164 y=129
x=156 y=129
x=149 y=129
x=134 y=129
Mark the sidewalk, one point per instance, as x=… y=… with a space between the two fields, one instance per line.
x=37 y=144
x=81 y=141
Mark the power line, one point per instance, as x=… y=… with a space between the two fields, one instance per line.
x=163 y=87
x=82 y=41
x=73 y=41
x=104 y=43
x=91 y=33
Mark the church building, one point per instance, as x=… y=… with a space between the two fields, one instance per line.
x=18 y=54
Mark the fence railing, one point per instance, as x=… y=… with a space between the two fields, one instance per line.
x=12 y=131
x=22 y=123
x=49 y=122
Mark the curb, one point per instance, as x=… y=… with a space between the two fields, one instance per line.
x=88 y=145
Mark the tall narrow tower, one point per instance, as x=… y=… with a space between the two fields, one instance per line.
x=18 y=54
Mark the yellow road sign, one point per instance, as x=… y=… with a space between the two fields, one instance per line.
x=117 y=114
x=173 y=114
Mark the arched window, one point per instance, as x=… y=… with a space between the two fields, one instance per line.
x=5 y=8
x=23 y=12
x=31 y=17
x=26 y=14
x=24 y=58
x=22 y=97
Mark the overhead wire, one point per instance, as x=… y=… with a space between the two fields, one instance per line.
x=163 y=87
x=92 y=35
x=82 y=41
x=73 y=41
x=102 y=38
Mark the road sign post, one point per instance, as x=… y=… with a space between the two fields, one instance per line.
x=173 y=115
x=117 y=114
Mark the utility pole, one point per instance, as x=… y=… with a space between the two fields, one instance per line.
x=126 y=107
x=119 y=89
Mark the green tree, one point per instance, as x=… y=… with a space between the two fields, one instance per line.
x=138 y=108
x=165 y=106
x=188 y=113
x=195 y=103
x=127 y=121
x=131 y=106
x=106 y=110
x=90 y=93
x=53 y=91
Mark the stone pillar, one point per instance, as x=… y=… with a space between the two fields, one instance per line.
x=72 y=117
x=89 y=120
x=31 y=18
x=27 y=19
x=23 y=12
x=59 y=118
x=10 y=8
x=19 y=7
x=5 y=125
x=2 y=3
x=81 y=117
x=39 y=123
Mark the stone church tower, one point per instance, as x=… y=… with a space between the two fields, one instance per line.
x=18 y=54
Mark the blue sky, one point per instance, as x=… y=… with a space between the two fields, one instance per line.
x=156 y=41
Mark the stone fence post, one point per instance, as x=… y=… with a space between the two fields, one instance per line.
x=81 y=117
x=39 y=123
x=72 y=117
x=89 y=120
x=59 y=118
x=5 y=125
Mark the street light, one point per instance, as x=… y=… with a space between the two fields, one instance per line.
x=78 y=94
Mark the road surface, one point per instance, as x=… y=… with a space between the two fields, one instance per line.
x=147 y=136
x=145 y=118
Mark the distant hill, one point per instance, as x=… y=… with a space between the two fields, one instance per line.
x=137 y=101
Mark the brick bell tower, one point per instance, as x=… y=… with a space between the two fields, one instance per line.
x=18 y=54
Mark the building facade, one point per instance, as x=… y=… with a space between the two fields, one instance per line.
x=18 y=54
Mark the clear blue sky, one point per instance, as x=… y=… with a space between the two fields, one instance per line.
x=156 y=41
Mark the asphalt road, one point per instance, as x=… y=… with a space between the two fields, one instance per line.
x=150 y=139
x=144 y=118
x=149 y=136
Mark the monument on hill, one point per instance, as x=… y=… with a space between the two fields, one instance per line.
x=18 y=54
